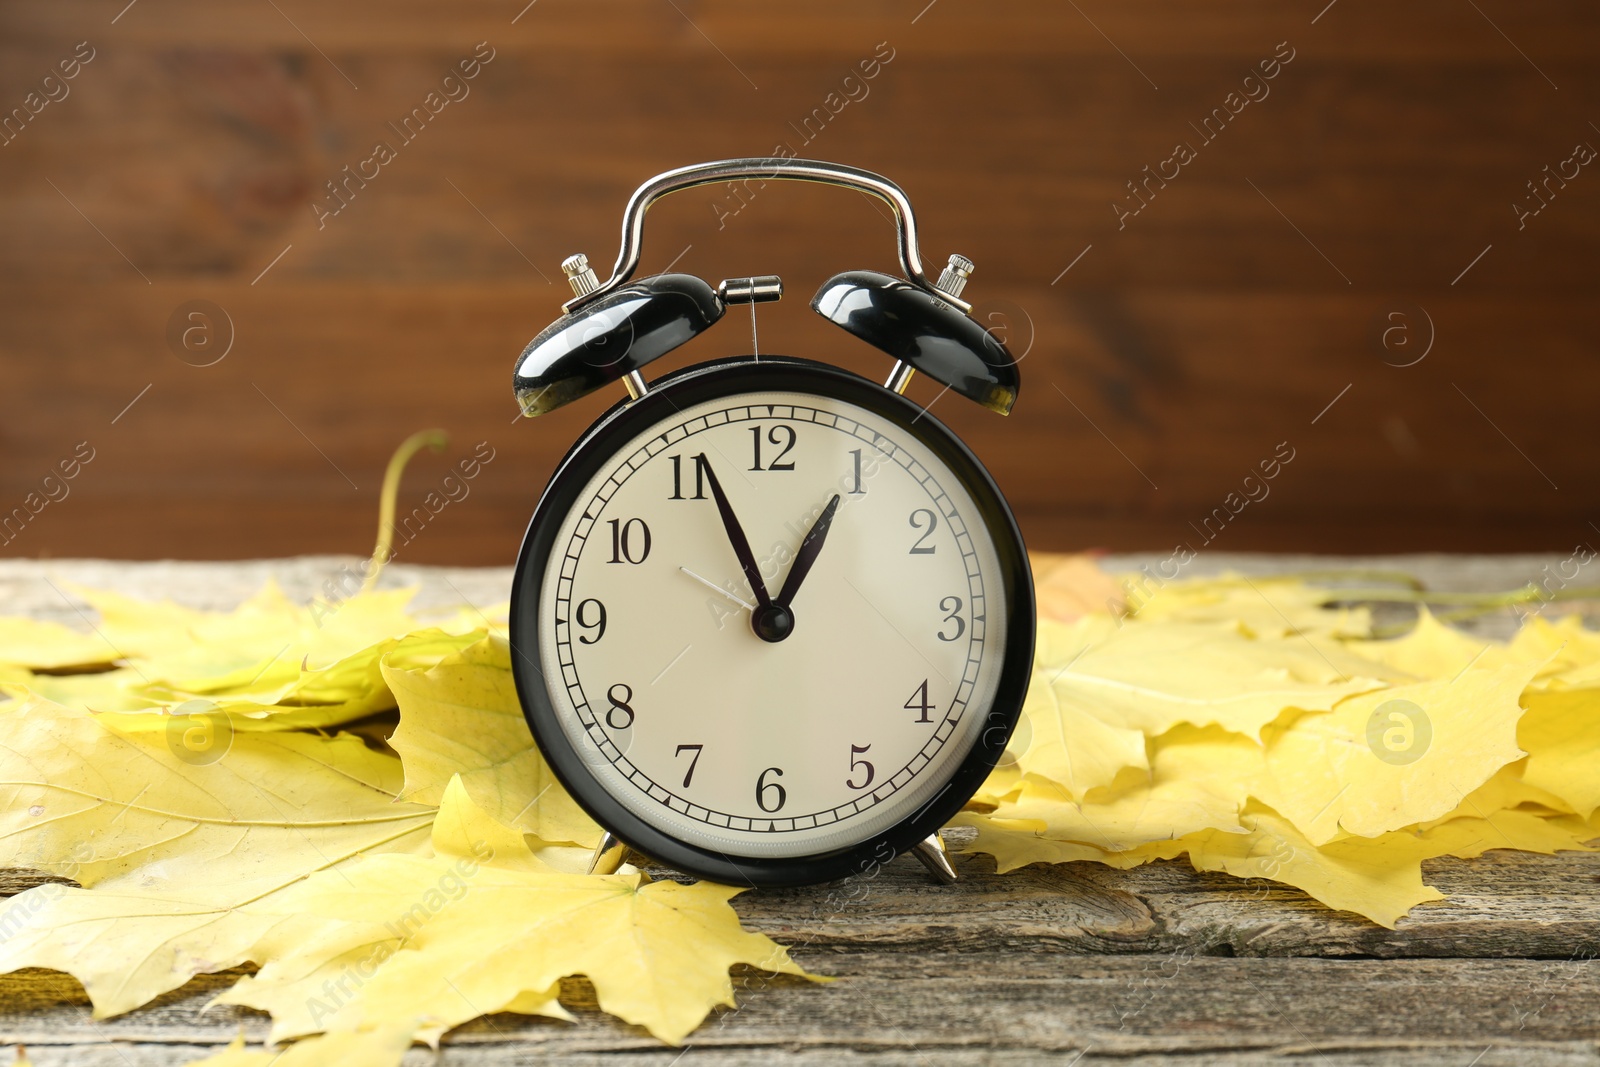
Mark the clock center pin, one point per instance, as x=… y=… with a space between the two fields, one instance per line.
x=772 y=622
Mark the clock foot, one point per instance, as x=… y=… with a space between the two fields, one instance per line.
x=932 y=853
x=609 y=855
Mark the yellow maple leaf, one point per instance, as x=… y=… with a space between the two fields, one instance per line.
x=1056 y=644
x=268 y=664
x=1385 y=760
x=382 y=1047
x=1069 y=742
x=1380 y=878
x=1199 y=779
x=206 y=649
x=1259 y=607
x=1366 y=796
x=1016 y=843
x=177 y=852
x=1561 y=732
x=459 y=714
x=1002 y=782
x=139 y=629
x=1430 y=649
x=484 y=927
x=1153 y=677
x=302 y=699
x=101 y=807
x=82 y=691
x=127 y=947
x=49 y=646
x=1570 y=651
x=1505 y=789
x=333 y=647
x=1524 y=831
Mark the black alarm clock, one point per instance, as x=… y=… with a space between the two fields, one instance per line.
x=774 y=621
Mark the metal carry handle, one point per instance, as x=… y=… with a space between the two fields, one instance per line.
x=772 y=168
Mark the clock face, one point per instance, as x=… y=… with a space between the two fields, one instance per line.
x=806 y=711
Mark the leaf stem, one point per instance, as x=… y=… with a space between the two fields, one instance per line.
x=432 y=439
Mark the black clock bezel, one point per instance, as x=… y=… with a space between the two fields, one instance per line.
x=718 y=380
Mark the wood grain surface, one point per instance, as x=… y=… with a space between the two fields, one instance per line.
x=1341 y=267
x=1152 y=965
x=1047 y=964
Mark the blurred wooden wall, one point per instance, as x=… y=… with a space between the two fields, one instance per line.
x=1368 y=187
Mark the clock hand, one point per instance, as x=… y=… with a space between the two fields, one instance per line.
x=736 y=538
x=807 y=555
x=709 y=584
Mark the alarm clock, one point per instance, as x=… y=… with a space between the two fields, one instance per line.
x=773 y=622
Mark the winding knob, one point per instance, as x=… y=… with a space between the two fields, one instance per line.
x=579 y=274
x=954 y=277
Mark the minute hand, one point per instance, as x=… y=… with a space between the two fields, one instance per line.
x=736 y=538
x=807 y=555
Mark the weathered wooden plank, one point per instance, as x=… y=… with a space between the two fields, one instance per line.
x=1353 y=1054
x=1504 y=905
x=199 y=137
x=1422 y=31
x=222 y=155
x=1167 y=383
x=966 y=1006
x=1148 y=965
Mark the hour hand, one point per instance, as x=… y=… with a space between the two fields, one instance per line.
x=736 y=538
x=807 y=554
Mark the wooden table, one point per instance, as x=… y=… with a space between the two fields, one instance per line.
x=1058 y=963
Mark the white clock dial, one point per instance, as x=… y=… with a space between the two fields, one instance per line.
x=773 y=748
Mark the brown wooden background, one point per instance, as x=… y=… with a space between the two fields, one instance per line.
x=1173 y=356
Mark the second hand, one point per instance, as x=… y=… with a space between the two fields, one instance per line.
x=709 y=584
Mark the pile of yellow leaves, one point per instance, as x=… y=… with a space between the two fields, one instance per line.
x=220 y=789
x=201 y=793
x=1243 y=724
